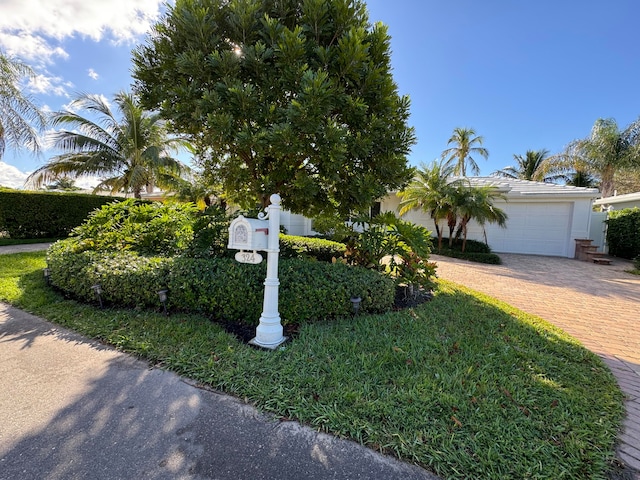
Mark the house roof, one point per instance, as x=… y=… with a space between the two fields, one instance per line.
x=628 y=197
x=525 y=188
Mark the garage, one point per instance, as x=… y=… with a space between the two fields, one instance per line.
x=534 y=228
x=544 y=218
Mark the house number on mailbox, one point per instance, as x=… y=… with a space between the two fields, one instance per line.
x=248 y=257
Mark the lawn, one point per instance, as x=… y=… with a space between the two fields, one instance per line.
x=463 y=385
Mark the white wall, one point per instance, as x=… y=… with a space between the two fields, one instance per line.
x=542 y=226
x=296 y=224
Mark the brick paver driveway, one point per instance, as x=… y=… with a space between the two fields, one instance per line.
x=599 y=305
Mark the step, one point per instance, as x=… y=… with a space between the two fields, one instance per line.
x=601 y=261
x=583 y=241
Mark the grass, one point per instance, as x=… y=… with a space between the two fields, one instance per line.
x=464 y=386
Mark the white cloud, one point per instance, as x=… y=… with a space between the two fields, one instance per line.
x=28 y=46
x=93 y=74
x=87 y=183
x=30 y=28
x=10 y=176
x=42 y=83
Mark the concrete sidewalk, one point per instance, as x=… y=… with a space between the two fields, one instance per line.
x=71 y=408
x=28 y=247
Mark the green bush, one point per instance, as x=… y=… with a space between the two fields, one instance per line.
x=489 y=258
x=210 y=234
x=45 y=214
x=220 y=287
x=474 y=251
x=636 y=263
x=472 y=246
x=406 y=245
x=623 y=233
x=147 y=228
x=300 y=247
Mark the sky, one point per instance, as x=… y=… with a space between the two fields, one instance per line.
x=525 y=75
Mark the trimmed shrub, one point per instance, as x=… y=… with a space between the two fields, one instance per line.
x=45 y=214
x=489 y=258
x=220 y=287
x=292 y=246
x=623 y=233
x=474 y=251
x=472 y=246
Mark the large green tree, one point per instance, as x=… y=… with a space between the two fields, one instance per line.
x=606 y=152
x=465 y=144
x=287 y=96
x=20 y=118
x=131 y=151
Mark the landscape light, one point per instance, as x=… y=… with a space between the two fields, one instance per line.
x=98 y=291
x=355 y=303
x=162 y=294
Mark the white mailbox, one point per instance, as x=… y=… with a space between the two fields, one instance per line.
x=248 y=234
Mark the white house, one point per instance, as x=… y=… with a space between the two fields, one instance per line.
x=619 y=202
x=544 y=218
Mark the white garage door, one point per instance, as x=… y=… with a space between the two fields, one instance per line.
x=533 y=228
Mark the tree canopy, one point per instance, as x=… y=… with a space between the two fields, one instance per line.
x=535 y=165
x=607 y=152
x=20 y=118
x=456 y=200
x=287 y=96
x=132 y=151
x=465 y=143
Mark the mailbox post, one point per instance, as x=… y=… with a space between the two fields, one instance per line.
x=250 y=234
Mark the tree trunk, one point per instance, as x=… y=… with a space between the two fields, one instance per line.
x=451 y=222
x=464 y=238
x=607 y=184
x=439 y=233
x=264 y=198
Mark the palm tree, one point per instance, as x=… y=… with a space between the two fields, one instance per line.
x=132 y=152
x=477 y=203
x=466 y=143
x=20 y=118
x=430 y=191
x=536 y=166
x=605 y=152
x=581 y=178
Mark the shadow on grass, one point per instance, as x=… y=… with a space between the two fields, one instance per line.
x=460 y=385
x=75 y=412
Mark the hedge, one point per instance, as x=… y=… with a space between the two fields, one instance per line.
x=220 y=287
x=45 y=214
x=474 y=251
x=292 y=246
x=623 y=233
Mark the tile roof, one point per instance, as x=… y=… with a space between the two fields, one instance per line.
x=524 y=188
